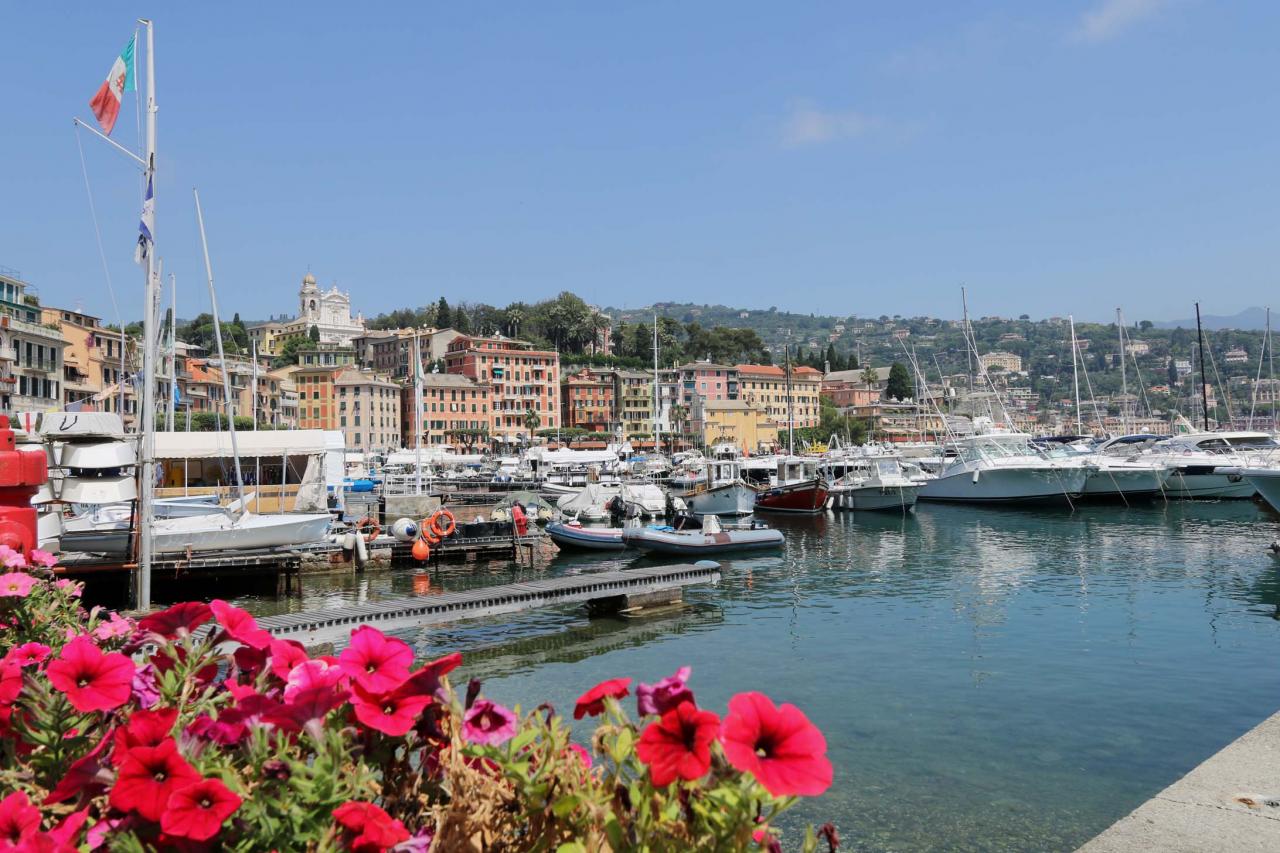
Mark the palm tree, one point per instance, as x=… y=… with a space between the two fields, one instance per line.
x=679 y=416
x=869 y=376
x=531 y=422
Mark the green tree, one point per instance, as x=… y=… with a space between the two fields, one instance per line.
x=314 y=334
x=289 y=350
x=1172 y=375
x=899 y=385
x=869 y=376
x=443 y=318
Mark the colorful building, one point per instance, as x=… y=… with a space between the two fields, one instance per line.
x=588 y=401
x=766 y=385
x=525 y=382
x=457 y=411
x=745 y=425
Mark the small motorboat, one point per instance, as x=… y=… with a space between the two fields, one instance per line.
x=711 y=539
x=571 y=534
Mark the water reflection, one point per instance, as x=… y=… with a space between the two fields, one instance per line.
x=987 y=679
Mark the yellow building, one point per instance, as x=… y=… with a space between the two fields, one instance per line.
x=91 y=363
x=744 y=424
x=765 y=385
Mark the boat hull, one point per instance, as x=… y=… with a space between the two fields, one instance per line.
x=691 y=543
x=1007 y=486
x=729 y=499
x=247 y=533
x=1124 y=483
x=808 y=498
x=1200 y=482
x=585 y=538
x=1267 y=483
x=875 y=498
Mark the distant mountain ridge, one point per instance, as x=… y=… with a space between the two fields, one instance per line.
x=1250 y=319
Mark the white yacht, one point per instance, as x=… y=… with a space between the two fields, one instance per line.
x=875 y=483
x=1003 y=468
x=1203 y=465
x=1113 y=477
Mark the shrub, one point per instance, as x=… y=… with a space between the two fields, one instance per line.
x=194 y=728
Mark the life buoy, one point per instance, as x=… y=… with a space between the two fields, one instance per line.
x=371 y=524
x=446 y=529
x=425 y=532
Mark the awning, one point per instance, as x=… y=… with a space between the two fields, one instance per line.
x=251 y=443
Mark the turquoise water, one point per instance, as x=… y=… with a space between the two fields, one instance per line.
x=1007 y=680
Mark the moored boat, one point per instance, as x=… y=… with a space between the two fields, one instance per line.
x=573 y=535
x=796 y=489
x=711 y=539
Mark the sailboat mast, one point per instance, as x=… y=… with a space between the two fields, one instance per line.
x=1271 y=370
x=1204 y=379
x=173 y=353
x=222 y=356
x=1075 y=373
x=657 y=432
x=1124 y=379
x=417 y=411
x=791 y=417
x=253 y=397
x=968 y=354
x=147 y=440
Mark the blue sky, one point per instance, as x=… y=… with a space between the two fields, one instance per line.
x=833 y=157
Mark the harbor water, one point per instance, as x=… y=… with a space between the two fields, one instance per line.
x=986 y=679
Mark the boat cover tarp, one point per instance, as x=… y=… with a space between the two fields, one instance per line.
x=251 y=444
x=592 y=495
x=577 y=457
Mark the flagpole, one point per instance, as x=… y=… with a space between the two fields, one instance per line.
x=146 y=498
x=253 y=400
x=418 y=408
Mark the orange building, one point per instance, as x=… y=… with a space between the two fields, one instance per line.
x=765 y=385
x=524 y=381
x=453 y=407
x=588 y=401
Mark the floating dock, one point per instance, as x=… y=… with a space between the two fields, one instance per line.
x=601 y=591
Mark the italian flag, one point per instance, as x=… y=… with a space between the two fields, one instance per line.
x=120 y=79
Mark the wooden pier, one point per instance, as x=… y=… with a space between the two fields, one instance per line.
x=601 y=591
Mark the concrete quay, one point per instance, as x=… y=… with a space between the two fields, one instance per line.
x=1231 y=802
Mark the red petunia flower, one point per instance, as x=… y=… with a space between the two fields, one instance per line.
x=145 y=728
x=19 y=820
x=426 y=681
x=10 y=681
x=369 y=828
x=285 y=655
x=179 y=619
x=592 y=702
x=198 y=811
x=376 y=662
x=391 y=713
x=776 y=744
x=28 y=654
x=147 y=776
x=93 y=681
x=678 y=746
x=239 y=625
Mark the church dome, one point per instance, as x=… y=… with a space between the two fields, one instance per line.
x=308 y=280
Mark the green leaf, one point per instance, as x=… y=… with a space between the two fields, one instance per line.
x=565 y=805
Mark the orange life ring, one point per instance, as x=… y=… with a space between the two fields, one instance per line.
x=425 y=533
x=446 y=529
x=371 y=524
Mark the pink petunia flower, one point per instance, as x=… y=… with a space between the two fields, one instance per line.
x=488 y=723
x=666 y=694
x=116 y=626
x=14 y=560
x=16 y=584
x=376 y=662
x=43 y=558
x=28 y=654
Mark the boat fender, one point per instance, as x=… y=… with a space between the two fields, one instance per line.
x=975 y=477
x=405 y=530
x=349 y=542
x=362 y=551
x=421 y=550
x=707 y=564
x=443 y=523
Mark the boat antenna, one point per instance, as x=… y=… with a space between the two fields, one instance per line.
x=1075 y=372
x=1200 y=333
x=791 y=417
x=222 y=357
